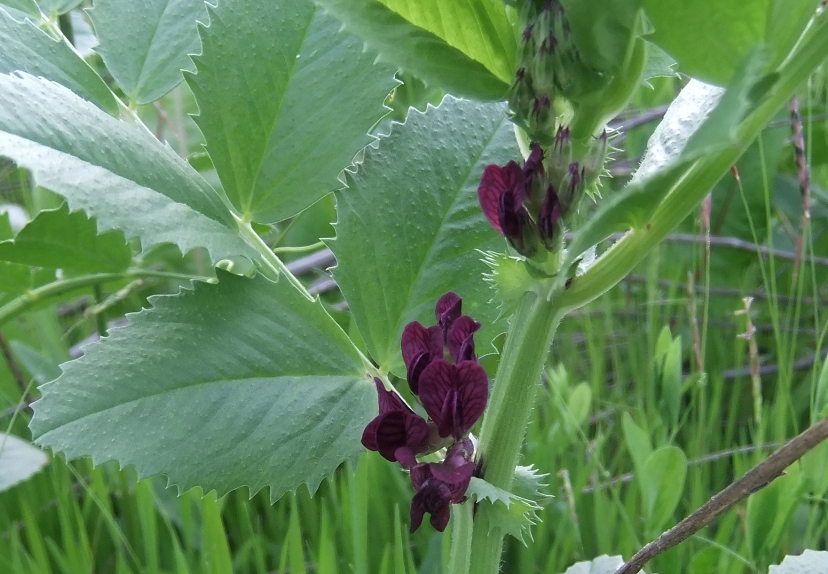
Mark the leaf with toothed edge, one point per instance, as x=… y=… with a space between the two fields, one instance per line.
x=410 y=225
x=58 y=239
x=145 y=44
x=286 y=100
x=513 y=514
x=114 y=171
x=26 y=48
x=243 y=383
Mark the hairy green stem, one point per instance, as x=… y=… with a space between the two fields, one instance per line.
x=521 y=364
x=533 y=325
x=29 y=299
x=462 y=517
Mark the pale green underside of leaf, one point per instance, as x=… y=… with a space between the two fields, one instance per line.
x=243 y=383
x=809 y=562
x=27 y=6
x=115 y=172
x=145 y=44
x=28 y=49
x=57 y=239
x=409 y=224
x=431 y=57
x=58 y=6
x=19 y=460
x=286 y=100
x=601 y=565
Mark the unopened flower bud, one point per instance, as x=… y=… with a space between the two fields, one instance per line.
x=593 y=163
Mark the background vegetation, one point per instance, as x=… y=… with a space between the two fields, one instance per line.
x=671 y=367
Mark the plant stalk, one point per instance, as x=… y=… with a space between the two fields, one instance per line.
x=504 y=425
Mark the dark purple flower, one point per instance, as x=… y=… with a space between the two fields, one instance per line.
x=496 y=183
x=396 y=427
x=460 y=340
x=420 y=346
x=440 y=484
x=454 y=396
x=449 y=307
x=549 y=216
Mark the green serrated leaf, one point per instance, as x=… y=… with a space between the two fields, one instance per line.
x=115 y=172
x=57 y=7
x=26 y=6
x=286 y=100
x=513 y=514
x=243 y=383
x=409 y=224
x=145 y=44
x=57 y=239
x=601 y=565
x=809 y=562
x=19 y=460
x=466 y=47
x=28 y=49
x=527 y=484
x=511 y=277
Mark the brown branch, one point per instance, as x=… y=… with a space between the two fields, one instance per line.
x=753 y=480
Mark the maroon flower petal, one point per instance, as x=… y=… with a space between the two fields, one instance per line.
x=440 y=518
x=449 y=307
x=420 y=346
x=495 y=182
x=437 y=387
x=369 y=435
x=533 y=166
x=388 y=400
x=400 y=429
x=417 y=512
x=472 y=394
x=461 y=338
x=405 y=456
x=549 y=215
x=452 y=475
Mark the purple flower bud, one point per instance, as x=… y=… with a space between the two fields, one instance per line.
x=420 y=346
x=460 y=340
x=548 y=220
x=449 y=307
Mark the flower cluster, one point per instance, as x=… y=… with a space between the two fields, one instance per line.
x=442 y=369
x=530 y=205
x=548 y=64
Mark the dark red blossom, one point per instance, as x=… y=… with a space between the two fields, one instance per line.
x=454 y=396
x=440 y=484
x=501 y=192
x=549 y=215
x=420 y=346
x=460 y=341
x=449 y=307
x=396 y=426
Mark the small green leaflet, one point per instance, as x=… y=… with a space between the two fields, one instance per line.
x=286 y=101
x=145 y=44
x=410 y=226
x=26 y=48
x=513 y=514
x=243 y=383
x=57 y=239
x=116 y=172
